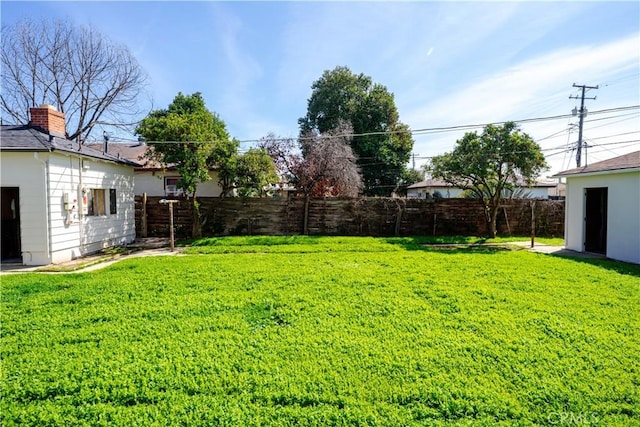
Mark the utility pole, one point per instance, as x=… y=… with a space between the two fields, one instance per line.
x=582 y=114
x=413 y=155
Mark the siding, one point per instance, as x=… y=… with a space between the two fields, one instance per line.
x=99 y=232
x=24 y=171
x=64 y=178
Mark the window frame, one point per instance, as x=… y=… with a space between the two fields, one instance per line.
x=96 y=202
x=178 y=191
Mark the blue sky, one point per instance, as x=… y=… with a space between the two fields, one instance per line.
x=447 y=63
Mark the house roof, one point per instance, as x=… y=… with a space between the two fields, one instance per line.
x=430 y=183
x=17 y=138
x=134 y=151
x=436 y=183
x=620 y=163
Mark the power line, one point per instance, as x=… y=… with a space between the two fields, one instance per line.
x=422 y=131
x=613 y=136
x=561 y=149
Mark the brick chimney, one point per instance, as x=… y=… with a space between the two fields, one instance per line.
x=49 y=119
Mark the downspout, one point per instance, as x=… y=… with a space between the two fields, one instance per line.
x=80 y=205
x=47 y=211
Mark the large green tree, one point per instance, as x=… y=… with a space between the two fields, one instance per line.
x=499 y=159
x=340 y=95
x=255 y=171
x=191 y=138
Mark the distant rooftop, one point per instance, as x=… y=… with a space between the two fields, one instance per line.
x=134 y=151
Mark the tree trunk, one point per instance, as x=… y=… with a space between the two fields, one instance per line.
x=493 y=228
x=305 y=225
x=196 y=230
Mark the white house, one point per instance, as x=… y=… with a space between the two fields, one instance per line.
x=152 y=178
x=60 y=200
x=431 y=187
x=602 y=213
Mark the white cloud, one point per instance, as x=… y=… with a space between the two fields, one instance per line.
x=507 y=94
x=541 y=87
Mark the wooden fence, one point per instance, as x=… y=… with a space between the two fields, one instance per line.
x=348 y=217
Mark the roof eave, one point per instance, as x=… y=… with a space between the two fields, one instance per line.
x=602 y=172
x=25 y=150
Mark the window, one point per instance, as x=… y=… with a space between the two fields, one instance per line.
x=96 y=202
x=112 y=202
x=171 y=186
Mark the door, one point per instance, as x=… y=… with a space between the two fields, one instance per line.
x=10 y=231
x=595 y=221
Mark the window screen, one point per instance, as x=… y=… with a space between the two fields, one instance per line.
x=113 y=209
x=96 y=202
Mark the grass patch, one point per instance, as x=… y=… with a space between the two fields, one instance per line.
x=370 y=332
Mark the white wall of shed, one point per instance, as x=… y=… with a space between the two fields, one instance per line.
x=623 y=213
x=24 y=171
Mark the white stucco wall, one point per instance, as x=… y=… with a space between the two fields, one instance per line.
x=537 y=192
x=69 y=234
x=420 y=193
x=623 y=213
x=152 y=183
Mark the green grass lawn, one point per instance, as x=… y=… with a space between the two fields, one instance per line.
x=324 y=331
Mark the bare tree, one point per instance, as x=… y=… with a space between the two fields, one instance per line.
x=285 y=155
x=91 y=79
x=330 y=166
x=325 y=165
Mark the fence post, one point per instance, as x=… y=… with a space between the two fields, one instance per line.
x=171 y=234
x=143 y=225
x=435 y=217
x=506 y=219
x=305 y=230
x=533 y=222
x=398 y=219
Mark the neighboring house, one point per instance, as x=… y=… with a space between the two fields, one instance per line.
x=431 y=187
x=60 y=200
x=152 y=178
x=282 y=189
x=602 y=213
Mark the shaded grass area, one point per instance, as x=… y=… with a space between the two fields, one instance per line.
x=314 y=244
x=402 y=337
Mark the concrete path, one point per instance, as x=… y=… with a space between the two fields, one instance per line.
x=555 y=250
x=538 y=248
x=143 y=247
